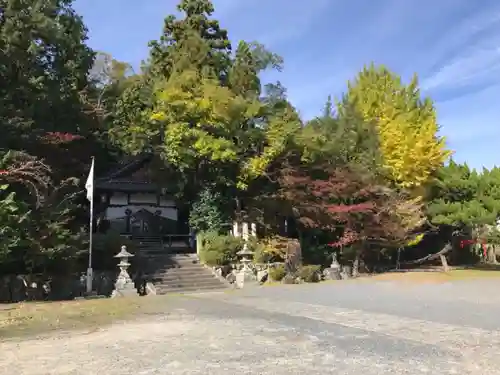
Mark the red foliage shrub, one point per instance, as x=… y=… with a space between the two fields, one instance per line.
x=60 y=137
x=340 y=200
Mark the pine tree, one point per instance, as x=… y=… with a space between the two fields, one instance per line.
x=468 y=202
x=197 y=24
x=346 y=140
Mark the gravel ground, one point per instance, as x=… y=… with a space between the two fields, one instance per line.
x=333 y=328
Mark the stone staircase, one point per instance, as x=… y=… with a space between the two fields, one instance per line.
x=173 y=270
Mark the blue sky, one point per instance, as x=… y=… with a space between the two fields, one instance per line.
x=453 y=46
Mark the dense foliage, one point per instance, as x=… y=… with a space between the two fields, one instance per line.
x=370 y=173
x=49 y=127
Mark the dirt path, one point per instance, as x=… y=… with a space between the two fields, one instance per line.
x=270 y=332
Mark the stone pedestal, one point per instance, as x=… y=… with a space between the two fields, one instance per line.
x=124 y=286
x=334 y=272
x=245 y=277
x=346 y=272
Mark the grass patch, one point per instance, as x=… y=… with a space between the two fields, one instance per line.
x=437 y=277
x=272 y=283
x=33 y=318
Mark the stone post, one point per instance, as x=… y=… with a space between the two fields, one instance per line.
x=244 y=235
x=236 y=231
x=124 y=286
x=199 y=244
x=253 y=230
x=245 y=274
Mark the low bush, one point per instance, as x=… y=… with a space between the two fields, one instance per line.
x=260 y=255
x=277 y=273
x=107 y=245
x=219 y=250
x=310 y=273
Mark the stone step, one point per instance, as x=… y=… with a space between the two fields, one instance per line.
x=187 y=271
x=188 y=289
x=166 y=262
x=162 y=253
x=167 y=268
x=163 y=270
x=184 y=272
x=190 y=282
x=158 y=277
x=176 y=273
x=167 y=259
x=158 y=251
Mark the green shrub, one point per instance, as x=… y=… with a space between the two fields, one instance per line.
x=310 y=274
x=277 y=273
x=317 y=254
x=219 y=250
x=107 y=245
x=260 y=256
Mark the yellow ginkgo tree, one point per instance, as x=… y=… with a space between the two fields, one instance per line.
x=411 y=148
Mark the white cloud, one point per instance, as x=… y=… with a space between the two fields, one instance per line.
x=476 y=65
x=269 y=22
x=472 y=62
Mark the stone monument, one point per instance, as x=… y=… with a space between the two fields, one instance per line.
x=124 y=286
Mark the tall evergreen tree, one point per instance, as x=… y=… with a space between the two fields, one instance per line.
x=201 y=109
x=212 y=53
x=44 y=65
x=466 y=202
x=47 y=126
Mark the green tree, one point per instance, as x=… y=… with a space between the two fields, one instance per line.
x=209 y=212
x=13 y=216
x=39 y=230
x=48 y=126
x=466 y=201
x=342 y=140
x=212 y=54
x=201 y=109
x=43 y=71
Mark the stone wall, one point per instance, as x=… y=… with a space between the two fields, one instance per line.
x=17 y=288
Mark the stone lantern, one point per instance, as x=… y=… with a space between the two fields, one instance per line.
x=124 y=286
x=245 y=274
x=333 y=273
